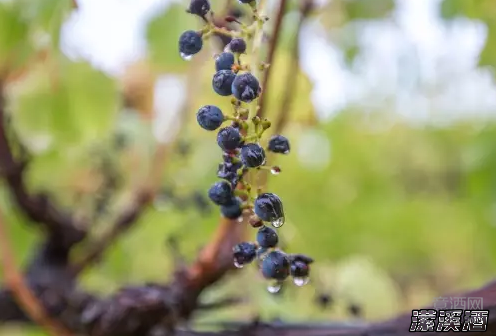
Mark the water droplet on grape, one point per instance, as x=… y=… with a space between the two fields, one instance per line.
x=277 y=223
x=237 y=264
x=274 y=288
x=186 y=57
x=301 y=281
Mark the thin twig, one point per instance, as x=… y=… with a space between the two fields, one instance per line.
x=291 y=73
x=23 y=295
x=124 y=221
x=270 y=56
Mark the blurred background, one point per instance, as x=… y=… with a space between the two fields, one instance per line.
x=390 y=184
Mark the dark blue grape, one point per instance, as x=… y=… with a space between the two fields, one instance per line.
x=222 y=82
x=199 y=7
x=233 y=210
x=229 y=138
x=301 y=257
x=245 y=87
x=244 y=253
x=275 y=266
x=252 y=155
x=210 y=117
x=225 y=173
x=237 y=45
x=279 y=144
x=268 y=207
x=224 y=61
x=299 y=269
x=221 y=193
x=267 y=237
x=226 y=169
x=190 y=43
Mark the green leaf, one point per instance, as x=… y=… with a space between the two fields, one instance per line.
x=33 y=105
x=13 y=33
x=92 y=99
x=483 y=10
x=451 y=9
x=480 y=9
x=488 y=54
x=45 y=16
x=162 y=36
x=367 y=10
x=70 y=104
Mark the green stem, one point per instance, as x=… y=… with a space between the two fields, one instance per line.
x=227 y=117
x=264 y=168
x=251 y=137
x=259 y=191
x=239 y=192
x=247 y=206
x=223 y=31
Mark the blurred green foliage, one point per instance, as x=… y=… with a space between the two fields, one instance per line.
x=59 y=108
x=484 y=11
x=394 y=215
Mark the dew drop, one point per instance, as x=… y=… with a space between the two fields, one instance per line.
x=301 y=281
x=186 y=57
x=278 y=222
x=275 y=170
x=274 y=288
x=237 y=264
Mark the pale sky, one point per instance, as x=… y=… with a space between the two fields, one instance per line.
x=414 y=63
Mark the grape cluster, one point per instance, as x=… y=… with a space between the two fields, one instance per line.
x=240 y=142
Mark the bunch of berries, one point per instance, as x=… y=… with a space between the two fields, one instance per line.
x=242 y=149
